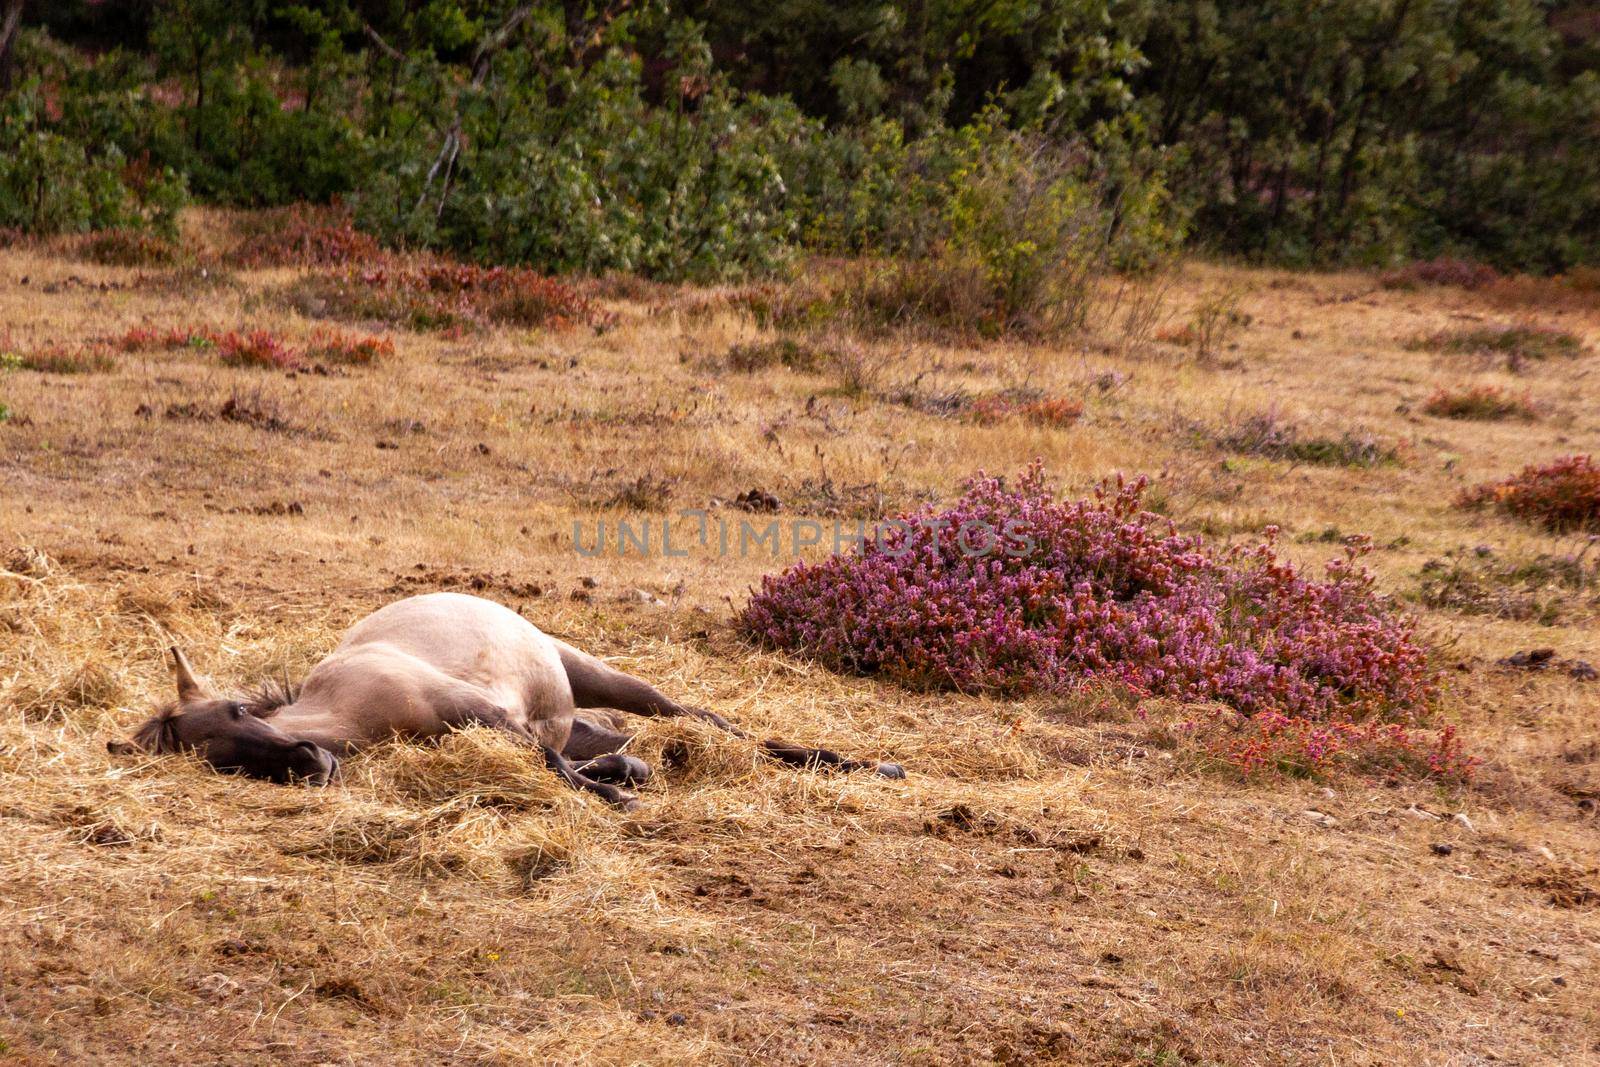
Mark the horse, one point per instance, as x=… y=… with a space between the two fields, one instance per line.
x=421 y=667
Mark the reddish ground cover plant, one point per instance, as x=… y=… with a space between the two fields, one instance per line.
x=256 y=348
x=155 y=339
x=1041 y=411
x=430 y=294
x=303 y=236
x=1563 y=496
x=1481 y=403
x=260 y=348
x=337 y=346
x=1042 y=596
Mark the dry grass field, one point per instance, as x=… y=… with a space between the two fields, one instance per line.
x=1052 y=883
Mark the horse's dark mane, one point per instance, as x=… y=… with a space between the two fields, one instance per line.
x=155 y=735
x=269 y=696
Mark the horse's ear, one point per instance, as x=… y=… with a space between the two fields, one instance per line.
x=189 y=688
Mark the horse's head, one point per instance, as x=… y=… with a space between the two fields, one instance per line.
x=228 y=735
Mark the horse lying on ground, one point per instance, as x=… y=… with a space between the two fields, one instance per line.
x=422 y=667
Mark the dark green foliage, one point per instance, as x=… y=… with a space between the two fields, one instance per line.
x=604 y=136
x=1373 y=131
x=587 y=174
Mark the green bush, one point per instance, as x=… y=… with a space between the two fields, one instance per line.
x=599 y=180
x=51 y=183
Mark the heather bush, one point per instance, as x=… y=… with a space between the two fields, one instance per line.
x=153 y=339
x=1563 y=496
x=335 y=346
x=1298 y=747
x=127 y=248
x=1011 y=591
x=1027 y=404
x=259 y=348
x=256 y=348
x=1481 y=403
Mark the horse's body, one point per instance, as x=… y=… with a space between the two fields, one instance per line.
x=422 y=667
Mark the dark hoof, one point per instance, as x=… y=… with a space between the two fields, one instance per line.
x=890 y=770
x=634 y=771
x=617 y=769
x=621 y=799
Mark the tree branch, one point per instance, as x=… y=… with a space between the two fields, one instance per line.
x=383 y=46
x=445 y=161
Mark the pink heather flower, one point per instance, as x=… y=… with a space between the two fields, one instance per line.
x=1109 y=591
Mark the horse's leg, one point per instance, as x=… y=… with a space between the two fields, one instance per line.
x=596 y=752
x=578 y=780
x=597 y=685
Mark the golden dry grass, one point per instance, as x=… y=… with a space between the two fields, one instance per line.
x=1051 y=883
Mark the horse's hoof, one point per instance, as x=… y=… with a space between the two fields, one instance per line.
x=890 y=770
x=634 y=771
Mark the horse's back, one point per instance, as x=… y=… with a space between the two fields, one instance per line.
x=472 y=640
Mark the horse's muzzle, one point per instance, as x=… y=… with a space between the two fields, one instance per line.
x=327 y=769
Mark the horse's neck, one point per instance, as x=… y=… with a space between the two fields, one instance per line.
x=305 y=720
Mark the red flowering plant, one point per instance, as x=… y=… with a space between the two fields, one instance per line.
x=1013 y=592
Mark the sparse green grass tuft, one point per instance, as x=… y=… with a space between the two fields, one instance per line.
x=1480 y=403
x=63 y=358
x=1518 y=344
x=1547 y=589
x=1269 y=435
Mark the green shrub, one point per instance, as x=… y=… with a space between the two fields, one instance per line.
x=599 y=180
x=51 y=183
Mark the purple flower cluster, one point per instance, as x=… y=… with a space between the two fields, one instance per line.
x=1105 y=591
